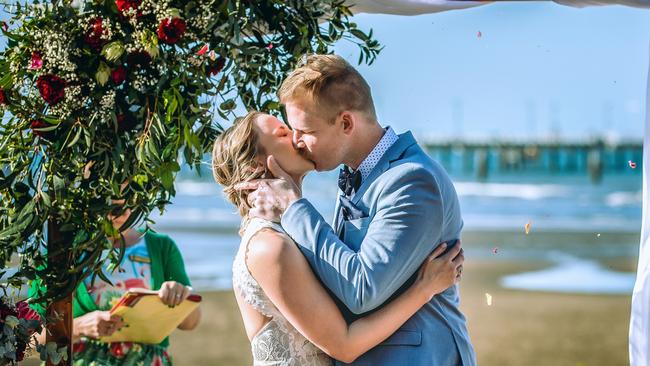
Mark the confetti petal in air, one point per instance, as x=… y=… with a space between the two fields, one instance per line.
x=488 y=299
x=631 y=164
x=479 y=34
x=527 y=228
x=598 y=235
x=495 y=250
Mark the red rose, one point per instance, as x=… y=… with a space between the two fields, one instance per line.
x=6 y=310
x=3 y=98
x=20 y=350
x=125 y=123
x=138 y=58
x=37 y=123
x=23 y=311
x=171 y=30
x=124 y=5
x=93 y=38
x=37 y=61
x=118 y=75
x=217 y=67
x=51 y=87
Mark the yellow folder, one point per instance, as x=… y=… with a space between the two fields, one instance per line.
x=148 y=319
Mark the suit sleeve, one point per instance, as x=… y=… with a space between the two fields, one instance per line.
x=406 y=225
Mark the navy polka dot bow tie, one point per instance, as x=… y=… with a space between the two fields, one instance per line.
x=349 y=181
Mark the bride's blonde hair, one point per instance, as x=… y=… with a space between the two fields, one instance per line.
x=236 y=159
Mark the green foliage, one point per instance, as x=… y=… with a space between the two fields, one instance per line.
x=18 y=325
x=145 y=86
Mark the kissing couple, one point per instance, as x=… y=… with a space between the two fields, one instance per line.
x=379 y=285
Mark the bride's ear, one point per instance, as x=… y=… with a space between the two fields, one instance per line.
x=267 y=173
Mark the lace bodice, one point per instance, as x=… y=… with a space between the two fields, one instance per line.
x=278 y=343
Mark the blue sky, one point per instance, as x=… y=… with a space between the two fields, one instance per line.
x=538 y=69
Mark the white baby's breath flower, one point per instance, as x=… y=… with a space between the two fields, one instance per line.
x=107 y=103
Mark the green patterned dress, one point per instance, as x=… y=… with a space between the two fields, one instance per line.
x=149 y=263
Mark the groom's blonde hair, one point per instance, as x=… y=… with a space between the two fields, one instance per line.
x=235 y=159
x=331 y=84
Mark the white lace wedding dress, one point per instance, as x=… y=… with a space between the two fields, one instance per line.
x=278 y=343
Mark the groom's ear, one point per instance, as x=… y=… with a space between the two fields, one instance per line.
x=347 y=121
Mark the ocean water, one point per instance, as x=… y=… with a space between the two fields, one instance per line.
x=572 y=275
x=205 y=225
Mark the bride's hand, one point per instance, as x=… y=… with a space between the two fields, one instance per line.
x=440 y=271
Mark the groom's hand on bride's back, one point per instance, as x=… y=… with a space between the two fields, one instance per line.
x=271 y=197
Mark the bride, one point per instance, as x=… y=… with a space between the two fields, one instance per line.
x=289 y=317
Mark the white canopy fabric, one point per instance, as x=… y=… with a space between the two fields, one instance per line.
x=410 y=7
x=639 y=337
x=640 y=320
x=416 y=7
x=584 y=3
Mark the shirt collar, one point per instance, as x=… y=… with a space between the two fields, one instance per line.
x=369 y=163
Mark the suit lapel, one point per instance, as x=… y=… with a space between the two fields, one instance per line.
x=337 y=213
x=405 y=141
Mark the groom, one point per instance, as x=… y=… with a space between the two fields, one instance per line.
x=395 y=205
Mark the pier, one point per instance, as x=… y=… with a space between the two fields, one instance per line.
x=594 y=157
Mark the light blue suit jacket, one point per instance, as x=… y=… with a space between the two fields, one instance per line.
x=410 y=206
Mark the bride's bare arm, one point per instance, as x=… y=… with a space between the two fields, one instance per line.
x=286 y=278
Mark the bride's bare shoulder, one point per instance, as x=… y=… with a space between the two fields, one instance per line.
x=269 y=247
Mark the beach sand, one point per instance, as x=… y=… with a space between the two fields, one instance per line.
x=520 y=328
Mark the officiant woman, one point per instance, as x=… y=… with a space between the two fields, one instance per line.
x=151 y=261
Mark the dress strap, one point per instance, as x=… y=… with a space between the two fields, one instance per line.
x=243 y=279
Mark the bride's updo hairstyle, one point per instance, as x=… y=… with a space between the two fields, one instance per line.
x=235 y=159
